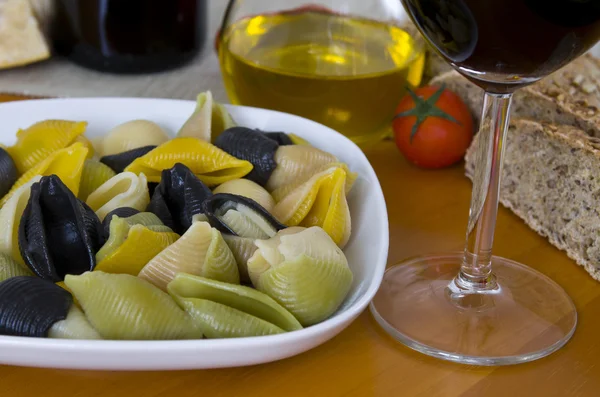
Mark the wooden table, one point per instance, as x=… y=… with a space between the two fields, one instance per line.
x=363 y=360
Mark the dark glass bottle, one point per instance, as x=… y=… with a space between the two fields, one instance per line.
x=130 y=36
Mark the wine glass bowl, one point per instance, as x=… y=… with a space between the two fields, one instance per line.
x=343 y=63
x=474 y=307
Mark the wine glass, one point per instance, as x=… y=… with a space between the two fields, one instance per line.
x=473 y=307
x=343 y=63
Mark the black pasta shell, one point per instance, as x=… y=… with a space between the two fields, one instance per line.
x=118 y=162
x=121 y=212
x=29 y=306
x=281 y=138
x=178 y=197
x=253 y=146
x=58 y=233
x=8 y=172
x=217 y=201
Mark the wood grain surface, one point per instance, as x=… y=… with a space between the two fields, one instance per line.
x=428 y=213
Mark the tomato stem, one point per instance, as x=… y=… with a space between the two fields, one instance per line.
x=425 y=108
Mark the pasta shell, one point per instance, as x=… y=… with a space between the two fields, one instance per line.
x=247 y=188
x=30 y=305
x=242 y=249
x=58 y=234
x=253 y=146
x=123 y=190
x=74 y=326
x=10 y=219
x=121 y=306
x=200 y=251
x=240 y=216
x=41 y=139
x=8 y=172
x=321 y=201
x=280 y=193
x=10 y=268
x=244 y=299
x=93 y=175
x=280 y=137
x=132 y=135
x=297 y=163
x=147 y=219
x=65 y=163
x=208 y=121
x=178 y=198
x=220 y=321
x=88 y=144
x=121 y=212
x=209 y=163
x=129 y=248
x=304 y=271
x=118 y=162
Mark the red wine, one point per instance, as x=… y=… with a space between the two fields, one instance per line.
x=502 y=45
x=130 y=36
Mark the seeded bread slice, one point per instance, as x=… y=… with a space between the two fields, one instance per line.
x=551 y=179
x=569 y=96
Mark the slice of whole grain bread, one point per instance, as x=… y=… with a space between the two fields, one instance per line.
x=569 y=96
x=551 y=179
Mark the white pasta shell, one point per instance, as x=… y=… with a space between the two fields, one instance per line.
x=201 y=251
x=250 y=189
x=123 y=190
x=132 y=135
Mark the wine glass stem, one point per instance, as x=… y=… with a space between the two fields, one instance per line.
x=476 y=269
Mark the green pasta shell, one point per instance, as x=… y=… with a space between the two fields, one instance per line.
x=220 y=321
x=10 y=268
x=201 y=250
x=93 y=176
x=304 y=270
x=122 y=306
x=242 y=249
x=75 y=326
x=245 y=299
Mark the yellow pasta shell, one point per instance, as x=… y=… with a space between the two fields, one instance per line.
x=140 y=246
x=321 y=201
x=65 y=163
x=209 y=163
x=41 y=139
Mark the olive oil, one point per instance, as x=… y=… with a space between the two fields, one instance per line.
x=344 y=72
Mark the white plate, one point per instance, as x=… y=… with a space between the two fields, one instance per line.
x=366 y=252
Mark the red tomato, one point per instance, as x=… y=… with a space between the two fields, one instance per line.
x=433 y=127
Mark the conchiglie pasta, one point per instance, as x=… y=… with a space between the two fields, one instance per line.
x=250 y=189
x=121 y=306
x=297 y=163
x=132 y=135
x=94 y=174
x=200 y=251
x=123 y=190
x=35 y=143
x=65 y=163
x=320 y=201
x=10 y=218
x=129 y=248
x=210 y=164
x=208 y=120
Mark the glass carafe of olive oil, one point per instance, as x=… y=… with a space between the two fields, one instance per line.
x=346 y=72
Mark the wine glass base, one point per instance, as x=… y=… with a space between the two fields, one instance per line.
x=528 y=316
